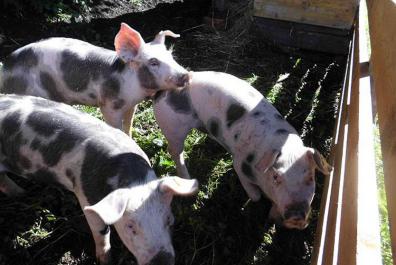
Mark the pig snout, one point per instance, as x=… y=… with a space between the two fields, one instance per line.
x=296 y=215
x=163 y=258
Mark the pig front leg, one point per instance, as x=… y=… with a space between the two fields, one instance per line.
x=128 y=119
x=101 y=234
x=175 y=127
x=9 y=187
x=251 y=189
x=112 y=116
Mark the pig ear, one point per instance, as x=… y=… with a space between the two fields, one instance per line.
x=178 y=186
x=160 y=38
x=267 y=160
x=320 y=161
x=128 y=43
x=111 y=208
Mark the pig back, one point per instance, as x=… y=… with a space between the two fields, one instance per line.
x=51 y=141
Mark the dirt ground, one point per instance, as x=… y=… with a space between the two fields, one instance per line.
x=220 y=226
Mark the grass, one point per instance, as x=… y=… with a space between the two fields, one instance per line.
x=386 y=247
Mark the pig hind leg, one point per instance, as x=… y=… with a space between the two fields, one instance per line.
x=175 y=127
x=175 y=149
x=8 y=186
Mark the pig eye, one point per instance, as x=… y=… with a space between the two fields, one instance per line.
x=154 y=62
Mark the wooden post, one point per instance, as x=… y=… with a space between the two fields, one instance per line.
x=350 y=219
x=382 y=22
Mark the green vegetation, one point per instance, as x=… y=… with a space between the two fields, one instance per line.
x=49 y=10
x=383 y=209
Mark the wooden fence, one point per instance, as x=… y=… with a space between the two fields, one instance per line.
x=348 y=231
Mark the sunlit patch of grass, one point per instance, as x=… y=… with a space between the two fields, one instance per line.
x=94 y=111
x=277 y=88
x=38 y=231
x=222 y=167
x=252 y=79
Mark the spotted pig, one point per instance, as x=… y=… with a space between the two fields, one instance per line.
x=111 y=176
x=76 y=72
x=268 y=153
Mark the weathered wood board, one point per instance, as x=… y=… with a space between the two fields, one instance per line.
x=382 y=24
x=330 y=13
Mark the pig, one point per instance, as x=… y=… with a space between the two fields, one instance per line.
x=268 y=154
x=110 y=175
x=75 y=72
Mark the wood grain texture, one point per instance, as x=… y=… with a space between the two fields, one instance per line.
x=382 y=21
x=336 y=13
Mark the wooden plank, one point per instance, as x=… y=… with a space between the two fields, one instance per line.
x=326 y=236
x=303 y=36
x=368 y=225
x=337 y=13
x=382 y=21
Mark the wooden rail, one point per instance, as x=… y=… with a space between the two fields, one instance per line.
x=348 y=231
x=329 y=13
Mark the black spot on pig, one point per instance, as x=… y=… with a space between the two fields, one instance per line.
x=6 y=104
x=92 y=95
x=234 y=112
x=49 y=85
x=99 y=166
x=118 y=65
x=43 y=123
x=118 y=104
x=146 y=78
x=11 y=125
x=69 y=173
x=110 y=88
x=159 y=95
x=257 y=114
x=179 y=100
x=35 y=144
x=247 y=170
x=14 y=85
x=250 y=158
x=105 y=230
x=277 y=116
x=281 y=132
x=11 y=151
x=264 y=122
x=236 y=136
x=76 y=71
x=214 y=127
x=53 y=151
x=43 y=175
x=25 y=58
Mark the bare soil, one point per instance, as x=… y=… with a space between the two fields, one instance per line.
x=225 y=229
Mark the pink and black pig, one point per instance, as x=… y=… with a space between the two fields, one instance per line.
x=268 y=154
x=76 y=72
x=110 y=175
